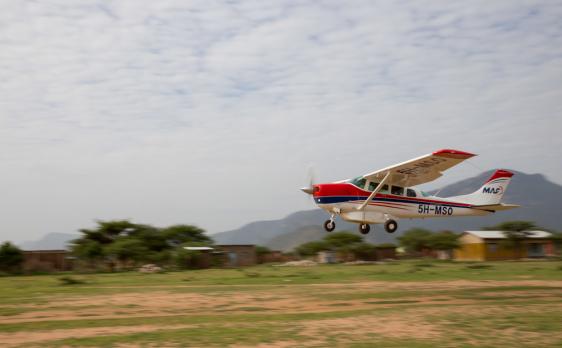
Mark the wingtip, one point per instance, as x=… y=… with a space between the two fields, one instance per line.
x=454 y=153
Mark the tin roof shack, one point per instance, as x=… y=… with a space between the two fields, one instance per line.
x=238 y=255
x=374 y=253
x=493 y=245
x=327 y=257
x=201 y=257
x=47 y=261
x=272 y=256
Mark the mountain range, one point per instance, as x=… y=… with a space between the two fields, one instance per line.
x=539 y=198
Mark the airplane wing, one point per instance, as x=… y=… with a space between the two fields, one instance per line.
x=420 y=170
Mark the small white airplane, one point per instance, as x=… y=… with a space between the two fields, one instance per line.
x=386 y=195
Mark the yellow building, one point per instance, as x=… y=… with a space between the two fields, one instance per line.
x=490 y=245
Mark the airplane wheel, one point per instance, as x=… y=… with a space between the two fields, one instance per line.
x=364 y=228
x=390 y=226
x=329 y=225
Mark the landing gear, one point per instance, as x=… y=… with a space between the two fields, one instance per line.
x=390 y=226
x=329 y=225
x=364 y=228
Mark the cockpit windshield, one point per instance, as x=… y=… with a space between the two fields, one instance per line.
x=425 y=194
x=358 y=181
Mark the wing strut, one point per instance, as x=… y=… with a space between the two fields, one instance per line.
x=375 y=191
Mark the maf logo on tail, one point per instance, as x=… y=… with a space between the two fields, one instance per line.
x=495 y=191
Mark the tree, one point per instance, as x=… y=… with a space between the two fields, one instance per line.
x=106 y=231
x=364 y=251
x=11 y=258
x=513 y=226
x=151 y=237
x=88 y=250
x=342 y=239
x=179 y=234
x=444 y=240
x=127 y=249
x=90 y=247
x=344 y=243
x=415 y=239
x=122 y=240
x=312 y=248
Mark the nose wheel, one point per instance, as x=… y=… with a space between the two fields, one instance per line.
x=390 y=226
x=329 y=225
x=364 y=228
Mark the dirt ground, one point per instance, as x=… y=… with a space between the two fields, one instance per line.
x=418 y=300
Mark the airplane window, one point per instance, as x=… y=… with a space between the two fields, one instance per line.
x=410 y=193
x=373 y=185
x=384 y=189
x=359 y=182
x=397 y=190
x=425 y=194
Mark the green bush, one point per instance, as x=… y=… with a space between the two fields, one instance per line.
x=11 y=258
x=67 y=280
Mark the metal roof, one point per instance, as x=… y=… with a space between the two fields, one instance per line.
x=198 y=248
x=500 y=234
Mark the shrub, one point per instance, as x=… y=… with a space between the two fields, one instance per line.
x=67 y=280
x=11 y=258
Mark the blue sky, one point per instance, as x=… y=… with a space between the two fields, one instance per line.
x=211 y=112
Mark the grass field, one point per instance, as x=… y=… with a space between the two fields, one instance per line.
x=397 y=304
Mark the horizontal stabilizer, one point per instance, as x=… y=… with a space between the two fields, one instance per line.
x=496 y=207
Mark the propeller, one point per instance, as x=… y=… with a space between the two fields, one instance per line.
x=311 y=179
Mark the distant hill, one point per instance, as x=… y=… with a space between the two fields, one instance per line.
x=50 y=241
x=540 y=200
x=261 y=232
x=288 y=241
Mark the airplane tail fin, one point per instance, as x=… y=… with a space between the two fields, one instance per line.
x=491 y=192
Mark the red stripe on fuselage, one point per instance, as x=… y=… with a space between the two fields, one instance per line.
x=347 y=189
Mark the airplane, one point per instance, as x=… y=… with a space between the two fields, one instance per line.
x=386 y=195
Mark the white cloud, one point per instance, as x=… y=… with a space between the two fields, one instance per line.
x=210 y=112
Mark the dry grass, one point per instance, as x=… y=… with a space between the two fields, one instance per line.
x=357 y=312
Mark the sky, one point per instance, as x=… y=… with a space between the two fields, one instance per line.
x=213 y=112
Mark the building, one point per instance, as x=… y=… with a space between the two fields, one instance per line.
x=203 y=258
x=238 y=255
x=378 y=254
x=327 y=257
x=274 y=256
x=491 y=245
x=47 y=261
x=225 y=255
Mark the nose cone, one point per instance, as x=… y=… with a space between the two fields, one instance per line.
x=308 y=190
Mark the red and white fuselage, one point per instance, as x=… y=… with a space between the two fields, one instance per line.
x=362 y=201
